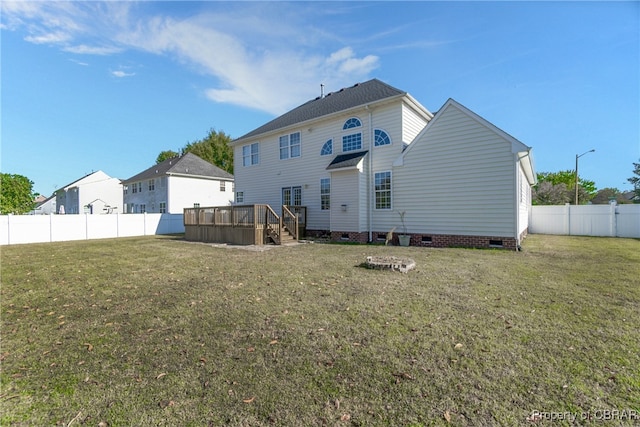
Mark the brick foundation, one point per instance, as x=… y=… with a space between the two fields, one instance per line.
x=349 y=236
x=422 y=240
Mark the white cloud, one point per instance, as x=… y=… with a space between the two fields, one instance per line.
x=50 y=38
x=121 y=74
x=260 y=66
x=84 y=49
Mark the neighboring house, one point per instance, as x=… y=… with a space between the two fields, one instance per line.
x=95 y=193
x=178 y=183
x=358 y=157
x=45 y=205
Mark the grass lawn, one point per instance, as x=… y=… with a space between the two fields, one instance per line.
x=158 y=331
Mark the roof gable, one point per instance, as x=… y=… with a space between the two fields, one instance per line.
x=357 y=95
x=88 y=178
x=187 y=165
x=517 y=147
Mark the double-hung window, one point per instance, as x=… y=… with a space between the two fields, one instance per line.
x=250 y=154
x=383 y=190
x=325 y=194
x=152 y=184
x=290 y=146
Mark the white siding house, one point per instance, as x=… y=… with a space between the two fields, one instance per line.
x=177 y=183
x=95 y=193
x=359 y=156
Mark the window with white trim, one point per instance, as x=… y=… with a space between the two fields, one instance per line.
x=290 y=146
x=223 y=186
x=163 y=207
x=353 y=122
x=383 y=190
x=325 y=194
x=352 y=142
x=240 y=197
x=152 y=184
x=327 y=148
x=380 y=137
x=250 y=154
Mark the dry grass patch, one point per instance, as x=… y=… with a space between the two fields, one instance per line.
x=158 y=331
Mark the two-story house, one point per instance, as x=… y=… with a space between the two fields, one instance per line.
x=358 y=157
x=177 y=183
x=94 y=193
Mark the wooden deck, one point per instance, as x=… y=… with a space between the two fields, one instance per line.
x=244 y=224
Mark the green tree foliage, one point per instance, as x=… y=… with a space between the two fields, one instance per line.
x=165 y=155
x=214 y=148
x=635 y=180
x=16 y=194
x=555 y=188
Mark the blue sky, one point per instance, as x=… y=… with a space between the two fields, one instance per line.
x=107 y=86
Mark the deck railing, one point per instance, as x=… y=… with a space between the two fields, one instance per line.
x=290 y=221
x=261 y=218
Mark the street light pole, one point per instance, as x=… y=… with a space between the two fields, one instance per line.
x=577 y=157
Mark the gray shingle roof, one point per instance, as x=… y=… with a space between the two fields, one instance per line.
x=346 y=160
x=359 y=94
x=188 y=164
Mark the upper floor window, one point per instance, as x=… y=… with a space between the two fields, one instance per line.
x=380 y=137
x=223 y=186
x=327 y=148
x=290 y=146
x=352 y=142
x=152 y=184
x=250 y=154
x=240 y=197
x=126 y=189
x=163 y=207
x=353 y=122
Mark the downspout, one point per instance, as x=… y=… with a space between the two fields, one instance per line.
x=517 y=200
x=370 y=186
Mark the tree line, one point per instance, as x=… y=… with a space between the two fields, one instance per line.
x=553 y=188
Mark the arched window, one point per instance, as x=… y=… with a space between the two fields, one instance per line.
x=327 y=148
x=380 y=137
x=353 y=122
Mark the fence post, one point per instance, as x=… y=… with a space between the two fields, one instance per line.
x=612 y=220
x=567 y=219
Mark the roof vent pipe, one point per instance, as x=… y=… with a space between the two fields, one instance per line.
x=321 y=90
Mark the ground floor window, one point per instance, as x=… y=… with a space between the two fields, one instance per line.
x=292 y=196
x=240 y=197
x=325 y=194
x=383 y=190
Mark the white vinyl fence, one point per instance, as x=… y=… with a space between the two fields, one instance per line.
x=586 y=220
x=16 y=229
